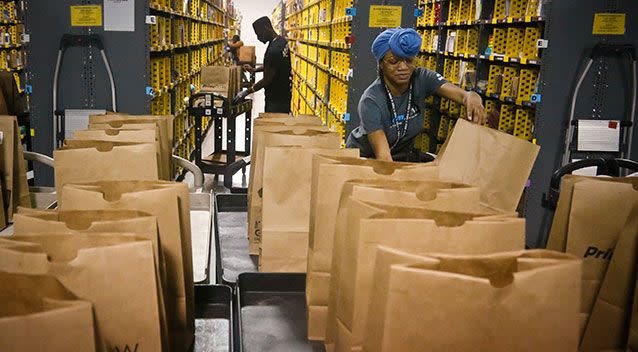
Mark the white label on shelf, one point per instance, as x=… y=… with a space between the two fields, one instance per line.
x=220 y=111
x=542 y=43
x=119 y=15
x=30 y=175
x=207 y=112
x=208 y=100
x=1 y=137
x=151 y=20
x=25 y=38
x=598 y=135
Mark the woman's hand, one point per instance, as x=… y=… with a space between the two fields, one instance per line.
x=472 y=101
x=475 y=109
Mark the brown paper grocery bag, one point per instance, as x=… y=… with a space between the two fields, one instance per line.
x=418 y=229
x=15 y=189
x=496 y=162
x=169 y=202
x=512 y=301
x=262 y=125
x=286 y=206
x=557 y=240
x=39 y=314
x=121 y=135
x=115 y=272
x=164 y=126
x=303 y=136
x=608 y=324
x=432 y=195
x=89 y=161
x=443 y=232
x=328 y=178
x=598 y=211
x=130 y=222
x=141 y=224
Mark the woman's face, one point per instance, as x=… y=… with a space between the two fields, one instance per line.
x=396 y=69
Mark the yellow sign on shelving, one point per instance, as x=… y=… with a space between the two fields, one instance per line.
x=86 y=16
x=609 y=24
x=385 y=16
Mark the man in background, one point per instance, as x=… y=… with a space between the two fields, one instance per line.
x=233 y=48
x=276 y=69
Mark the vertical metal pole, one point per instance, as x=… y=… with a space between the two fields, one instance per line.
x=218 y=134
x=198 y=139
x=230 y=139
x=247 y=139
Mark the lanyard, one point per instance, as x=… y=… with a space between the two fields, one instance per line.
x=400 y=118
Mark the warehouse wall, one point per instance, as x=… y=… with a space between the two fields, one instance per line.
x=250 y=11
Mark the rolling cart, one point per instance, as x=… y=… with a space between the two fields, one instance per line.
x=224 y=161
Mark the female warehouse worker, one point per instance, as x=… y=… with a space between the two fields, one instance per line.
x=391 y=108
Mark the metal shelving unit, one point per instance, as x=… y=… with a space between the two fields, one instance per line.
x=489 y=47
x=182 y=40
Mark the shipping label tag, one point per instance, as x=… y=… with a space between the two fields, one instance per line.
x=598 y=135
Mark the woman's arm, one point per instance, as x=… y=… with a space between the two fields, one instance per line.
x=379 y=143
x=472 y=101
x=238 y=44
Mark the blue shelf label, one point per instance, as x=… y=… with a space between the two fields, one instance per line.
x=535 y=98
x=351 y=11
x=150 y=91
x=28 y=89
x=346 y=117
x=418 y=12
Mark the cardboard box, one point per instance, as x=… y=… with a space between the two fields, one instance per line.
x=225 y=81
x=246 y=54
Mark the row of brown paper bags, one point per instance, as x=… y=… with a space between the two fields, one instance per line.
x=596 y=219
x=123 y=247
x=349 y=328
x=117 y=147
x=280 y=210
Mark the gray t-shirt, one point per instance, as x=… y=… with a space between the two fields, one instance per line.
x=375 y=113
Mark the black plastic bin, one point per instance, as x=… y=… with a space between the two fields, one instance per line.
x=231 y=236
x=272 y=313
x=213 y=319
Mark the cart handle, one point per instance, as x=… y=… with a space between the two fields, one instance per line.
x=41 y=158
x=550 y=199
x=195 y=96
x=197 y=172
x=615 y=165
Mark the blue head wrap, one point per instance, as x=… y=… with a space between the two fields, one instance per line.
x=403 y=42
